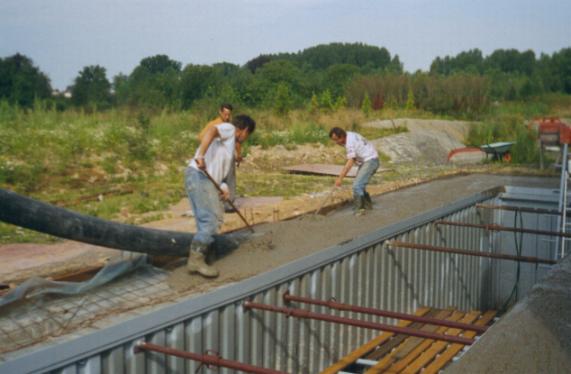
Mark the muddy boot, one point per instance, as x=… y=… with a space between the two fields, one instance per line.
x=358 y=205
x=368 y=203
x=197 y=261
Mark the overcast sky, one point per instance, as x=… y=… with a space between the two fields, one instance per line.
x=63 y=36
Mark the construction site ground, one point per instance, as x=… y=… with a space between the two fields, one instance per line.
x=426 y=144
x=287 y=239
x=276 y=241
x=272 y=245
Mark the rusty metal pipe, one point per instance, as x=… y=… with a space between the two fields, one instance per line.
x=301 y=313
x=384 y=313
x=503 y=228
x=500 y=256
x=206 y=359
x=553 y=212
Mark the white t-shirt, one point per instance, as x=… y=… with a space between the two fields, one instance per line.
x=220 y=154
x=359 y=148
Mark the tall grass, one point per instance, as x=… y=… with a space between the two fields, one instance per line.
x=45 y=149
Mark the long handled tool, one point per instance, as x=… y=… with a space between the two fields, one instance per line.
x=229 y=202
x=325 y=200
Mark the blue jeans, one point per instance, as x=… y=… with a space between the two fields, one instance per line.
x=206 y=205
x=366 y=171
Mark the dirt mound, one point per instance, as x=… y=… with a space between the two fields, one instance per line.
x=427 y=141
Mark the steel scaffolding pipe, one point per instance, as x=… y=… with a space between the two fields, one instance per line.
x=504 y=228
x=553 y=212
x=500 y=256
x=384 y=313
x=207 y=359
x=301 y=313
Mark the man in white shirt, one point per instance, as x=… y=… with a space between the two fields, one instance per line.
x=216 y=156
x=363 y=154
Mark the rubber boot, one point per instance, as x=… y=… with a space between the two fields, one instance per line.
x=368 y=203
x=358 y=205
x=197 y=261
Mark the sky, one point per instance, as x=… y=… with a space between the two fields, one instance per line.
x=64 y=36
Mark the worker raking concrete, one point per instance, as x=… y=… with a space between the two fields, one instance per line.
x=215 y=156
x=363 y=154
x=225 y=115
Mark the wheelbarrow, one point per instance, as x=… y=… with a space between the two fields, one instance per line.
x=499 y=151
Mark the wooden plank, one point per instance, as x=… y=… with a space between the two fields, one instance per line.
x=438 y=346
x=397 y=339
x=409 y=343
x=320 y=169
x=369 y=346
x=398 y=366
x=453 y=349
x=394 y=342
x=324 y=169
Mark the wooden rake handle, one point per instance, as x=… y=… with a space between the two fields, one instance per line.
x=229 y=202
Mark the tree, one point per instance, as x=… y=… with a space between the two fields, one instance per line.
x=366 y=105
x=21 y=82
x=153 y=83
x=91 y=88
x=512 y=61
x=358 y=54
x=409 y=99
x=469 y=61
x=283 y=101
x=561 y=62
x=197 y=81
x=280 y=71
x=326 y=100
x=256 y=63
x=337 y=77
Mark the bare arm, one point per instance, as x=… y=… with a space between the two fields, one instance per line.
x=238 y=154
x=205 y=142
x=344 y=171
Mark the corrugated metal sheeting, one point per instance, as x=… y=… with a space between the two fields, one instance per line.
x=364 y=272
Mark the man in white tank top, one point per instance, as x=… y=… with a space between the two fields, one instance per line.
x=363 y=154
x=216 y=156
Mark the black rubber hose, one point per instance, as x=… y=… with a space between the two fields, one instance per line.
x=49 y=219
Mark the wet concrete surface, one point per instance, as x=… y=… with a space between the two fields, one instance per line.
x=278 y=243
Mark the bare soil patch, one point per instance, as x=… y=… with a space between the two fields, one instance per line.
x=427 y=141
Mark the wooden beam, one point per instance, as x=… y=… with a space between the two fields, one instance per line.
x=369 y=346
x=410 y=343
x=453 y=349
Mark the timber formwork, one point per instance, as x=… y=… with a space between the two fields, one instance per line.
x=366 y=272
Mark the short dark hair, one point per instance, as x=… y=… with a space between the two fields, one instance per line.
x=226 y=106
x=243 y=121
x=338 y=131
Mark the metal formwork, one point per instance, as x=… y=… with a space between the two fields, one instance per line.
x=364 y=272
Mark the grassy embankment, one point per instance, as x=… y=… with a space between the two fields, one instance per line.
x=127 y=165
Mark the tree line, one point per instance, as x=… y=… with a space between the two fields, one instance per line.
x=320 y=77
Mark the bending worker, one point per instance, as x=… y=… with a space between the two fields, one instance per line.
x=363 y=154
x=225 y=115
x=215 y=155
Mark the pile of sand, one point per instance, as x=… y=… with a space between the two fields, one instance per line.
x=427 y=141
